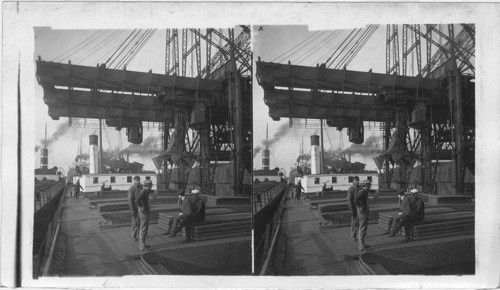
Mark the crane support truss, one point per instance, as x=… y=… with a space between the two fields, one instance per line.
x=206 y=119
x=422 y=109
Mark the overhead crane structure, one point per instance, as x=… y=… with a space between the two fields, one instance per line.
x=426 y=112
x=205 y=115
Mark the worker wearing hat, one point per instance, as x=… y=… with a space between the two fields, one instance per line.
x=193 y=211
x=351 y=192
x=363 y=213
x=144 y=209
x=404 y=211
x=414 y=211
x=132 y=193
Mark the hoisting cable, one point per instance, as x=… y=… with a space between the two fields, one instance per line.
x=126 y=48
x=295 y=46
x=301 y=47
x=74 y=47
x=355 y=49
x=141 y=46
x=112 y=43
x=316 y=48
x=313 y=47
x=128 y=53
x=344 y=48
x=326 y=62
x=361 y=46
x=326 y=53
x=113 y=55
x=92 y=51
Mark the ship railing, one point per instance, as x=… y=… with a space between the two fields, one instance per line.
x=41 y=258
x=44 y=195
x=263 y=198
x=272 y=243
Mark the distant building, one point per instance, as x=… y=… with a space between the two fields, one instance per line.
x=46 y=174
x=266 y=175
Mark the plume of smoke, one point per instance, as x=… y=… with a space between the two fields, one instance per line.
x=146 y=148
x=60 y=131
x=282 y=132
x=257 y=150
x=368 y=148
x=37 y=147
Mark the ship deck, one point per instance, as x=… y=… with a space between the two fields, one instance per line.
x=311 y=250
x=105 y=251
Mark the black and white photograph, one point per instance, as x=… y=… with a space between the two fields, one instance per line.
x=369 y=154
x=143 y=152
x=263 y=145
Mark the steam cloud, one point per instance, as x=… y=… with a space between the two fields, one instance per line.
x=367 y=148
x=282 y=131
x=146 y=148
x=60 y=131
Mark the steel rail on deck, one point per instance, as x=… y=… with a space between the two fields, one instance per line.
x=275 y=226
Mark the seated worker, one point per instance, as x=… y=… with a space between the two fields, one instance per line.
x=401 y=198
x=416 y=214
x=399 y=220
x=184 y=209
x=104 y=187
x=195 y=212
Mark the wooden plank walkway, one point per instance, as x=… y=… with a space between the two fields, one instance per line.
x=314 y=251
x=94 y=251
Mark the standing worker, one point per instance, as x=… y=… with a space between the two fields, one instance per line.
x=78 y=187
x=363 y=213
x=298 y=190
x=144 y=210
x=351 y=193
x=133 y=192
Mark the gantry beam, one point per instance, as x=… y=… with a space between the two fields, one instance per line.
x=318 y=93
x=97 y=92
x=286 y=75
x=101 y=78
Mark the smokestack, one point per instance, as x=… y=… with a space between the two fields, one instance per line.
x=315 y=155
x=265 y=152
x=265 y=159
x=94 y=154
x=44 y=158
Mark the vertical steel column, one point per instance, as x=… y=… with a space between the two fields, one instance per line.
x=322 y=164
x=204 y=132
x=387 y=141
x=184 y=52
x=167 y=51
x=237 y=119
x=100 y=146
x=425 y=133
x=456 y=107
x=166 y=140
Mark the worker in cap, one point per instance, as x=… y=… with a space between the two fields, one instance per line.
x=414 y=211
x=144 y=210
x=417 y=206
x=192 y=211
x=363 y=213
x=351 y=192
x=404 y=210
x=132 y=193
